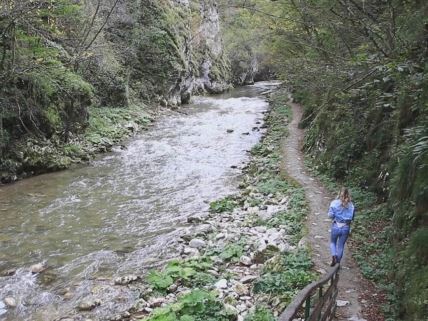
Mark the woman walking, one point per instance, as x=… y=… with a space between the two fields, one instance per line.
x=342 y=212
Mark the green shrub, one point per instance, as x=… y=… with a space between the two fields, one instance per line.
x=198 y=305
x=189 y=273
x=226 y=204
x=289 y=273
x=260 y=314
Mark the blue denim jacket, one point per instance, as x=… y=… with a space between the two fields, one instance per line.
x=341 y=214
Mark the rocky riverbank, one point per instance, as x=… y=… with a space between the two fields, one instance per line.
x=245 y=260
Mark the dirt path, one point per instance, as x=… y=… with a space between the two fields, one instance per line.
x=318 y=224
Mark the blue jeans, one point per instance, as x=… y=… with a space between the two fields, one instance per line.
x=338 y=238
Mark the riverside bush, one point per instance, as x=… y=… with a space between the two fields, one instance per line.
x=289 y=273
x=261 y=313
x=226 y=204
x=189 y=273
x=199 y=305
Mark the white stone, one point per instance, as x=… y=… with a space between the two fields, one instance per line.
x=156 y=302
x=248 y=279
x=37 y=268
x=241 y=307
x=221 y=284
x=245 y=260
x=10 y=302
x=260 y=229
x=213 y=272
x=190 y=251
x=88 y=304
x=124 y=280
x=356 y=318
x=220 y=236
x=342 y=303
x=197 y=243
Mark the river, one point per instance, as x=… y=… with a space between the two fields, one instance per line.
x=122 y=213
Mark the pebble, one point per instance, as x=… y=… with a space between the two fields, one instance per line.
x=37 y=268
x=241 y=307
x=213 y=272
x=245 y=260
x=260 y=229
x=88 y=304
x=197 y=243
x=124 y=280
x=221 y=284
x=220 y=236
x=9 y=272
x=194 y=219
x=356 y=318
x=248 y=279
x=172 y=288
x=10 y=302
x=156 y=302
x=190 y=251
x=342 y=303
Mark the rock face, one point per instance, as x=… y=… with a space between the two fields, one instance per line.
x=173 y=50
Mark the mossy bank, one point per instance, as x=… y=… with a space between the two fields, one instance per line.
x=107 y=127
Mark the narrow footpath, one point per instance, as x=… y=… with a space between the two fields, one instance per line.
x=318 y=224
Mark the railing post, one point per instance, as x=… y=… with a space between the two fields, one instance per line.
x=307 y=308
x=320 y=298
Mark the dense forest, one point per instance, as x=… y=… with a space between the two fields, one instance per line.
x=78 y=76
x=359 y=69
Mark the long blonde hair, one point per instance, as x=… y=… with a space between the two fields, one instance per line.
x=344 y=196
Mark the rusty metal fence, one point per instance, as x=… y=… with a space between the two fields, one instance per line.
x=316 y=302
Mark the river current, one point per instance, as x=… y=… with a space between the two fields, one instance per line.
x=122 y=213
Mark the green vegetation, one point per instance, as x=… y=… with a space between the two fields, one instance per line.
x=285 y=275
x=110 y=125
x=284 y=272
x=359 y=69
x=72 y=71
x=199 y=305
x=226 y=204
x=189 y=273
x=260 y=314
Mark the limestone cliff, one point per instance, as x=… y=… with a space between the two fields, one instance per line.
x=61 y=65
x=164 y=52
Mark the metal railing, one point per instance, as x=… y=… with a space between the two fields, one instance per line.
x=316 y=302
